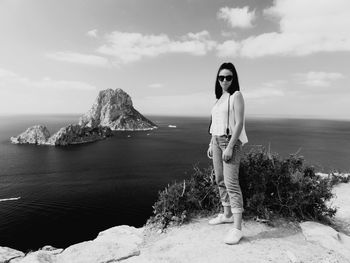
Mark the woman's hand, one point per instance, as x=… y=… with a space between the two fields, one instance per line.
x=210 y=152
x=227 y=154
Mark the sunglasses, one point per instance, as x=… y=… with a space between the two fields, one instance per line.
x=228 y=78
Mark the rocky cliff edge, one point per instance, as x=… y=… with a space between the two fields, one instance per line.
x=200 y=242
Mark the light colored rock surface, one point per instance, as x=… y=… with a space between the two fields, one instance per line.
x=7 y=253
x=112 y=245
x=327 y=237
x=47 y=254
x=37 y=134
x=96 y=252
x=40 y=256
x=201 y=242
x=292 y=257
x=121 y=235
x=52 y=250
x=114 y=109
x=342 y=201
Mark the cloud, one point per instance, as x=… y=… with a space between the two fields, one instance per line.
x=270 y=89
x=4 y=73
x=124 y=47
x=318 y=79
x=127 y=47
x=237 y=17
x=19 y=94
x=10 y=81
x=192 y=104
x=306 y=27
x=263 y=92
x=156 y=85
x=79 y=58
x=228 y=33
x=277 y=83
x=230 y=48
x=92 y=33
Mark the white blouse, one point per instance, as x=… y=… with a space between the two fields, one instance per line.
x=219 y=116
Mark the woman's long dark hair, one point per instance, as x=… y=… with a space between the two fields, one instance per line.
x=234 y=85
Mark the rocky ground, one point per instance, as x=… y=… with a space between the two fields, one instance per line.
x=198 y=241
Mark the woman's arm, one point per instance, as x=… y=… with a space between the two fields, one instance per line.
x=238 y=105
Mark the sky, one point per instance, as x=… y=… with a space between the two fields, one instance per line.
x=292 y=56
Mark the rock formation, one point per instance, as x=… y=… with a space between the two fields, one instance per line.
x=37 y=134
x=114 y=109
x=71 y=134
x=6 y=254
x=327 y=237
x=76 y=134
x=112 y=245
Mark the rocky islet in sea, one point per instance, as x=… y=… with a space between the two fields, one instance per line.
x=112 y=111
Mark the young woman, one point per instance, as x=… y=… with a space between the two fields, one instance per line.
x=228 y=137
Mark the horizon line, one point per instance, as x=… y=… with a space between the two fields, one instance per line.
x=248 y=116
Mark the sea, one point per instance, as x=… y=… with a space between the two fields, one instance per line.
x=60 y=196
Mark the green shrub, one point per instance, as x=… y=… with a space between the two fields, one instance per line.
x=179 y=201
x=271 y=186
x=285 y=187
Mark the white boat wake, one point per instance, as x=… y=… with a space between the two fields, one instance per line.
x=10 y=199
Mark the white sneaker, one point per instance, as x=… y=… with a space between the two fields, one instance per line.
x=233 y=236
x=221 y=219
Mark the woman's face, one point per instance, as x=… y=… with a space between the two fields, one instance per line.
x=225 y=79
